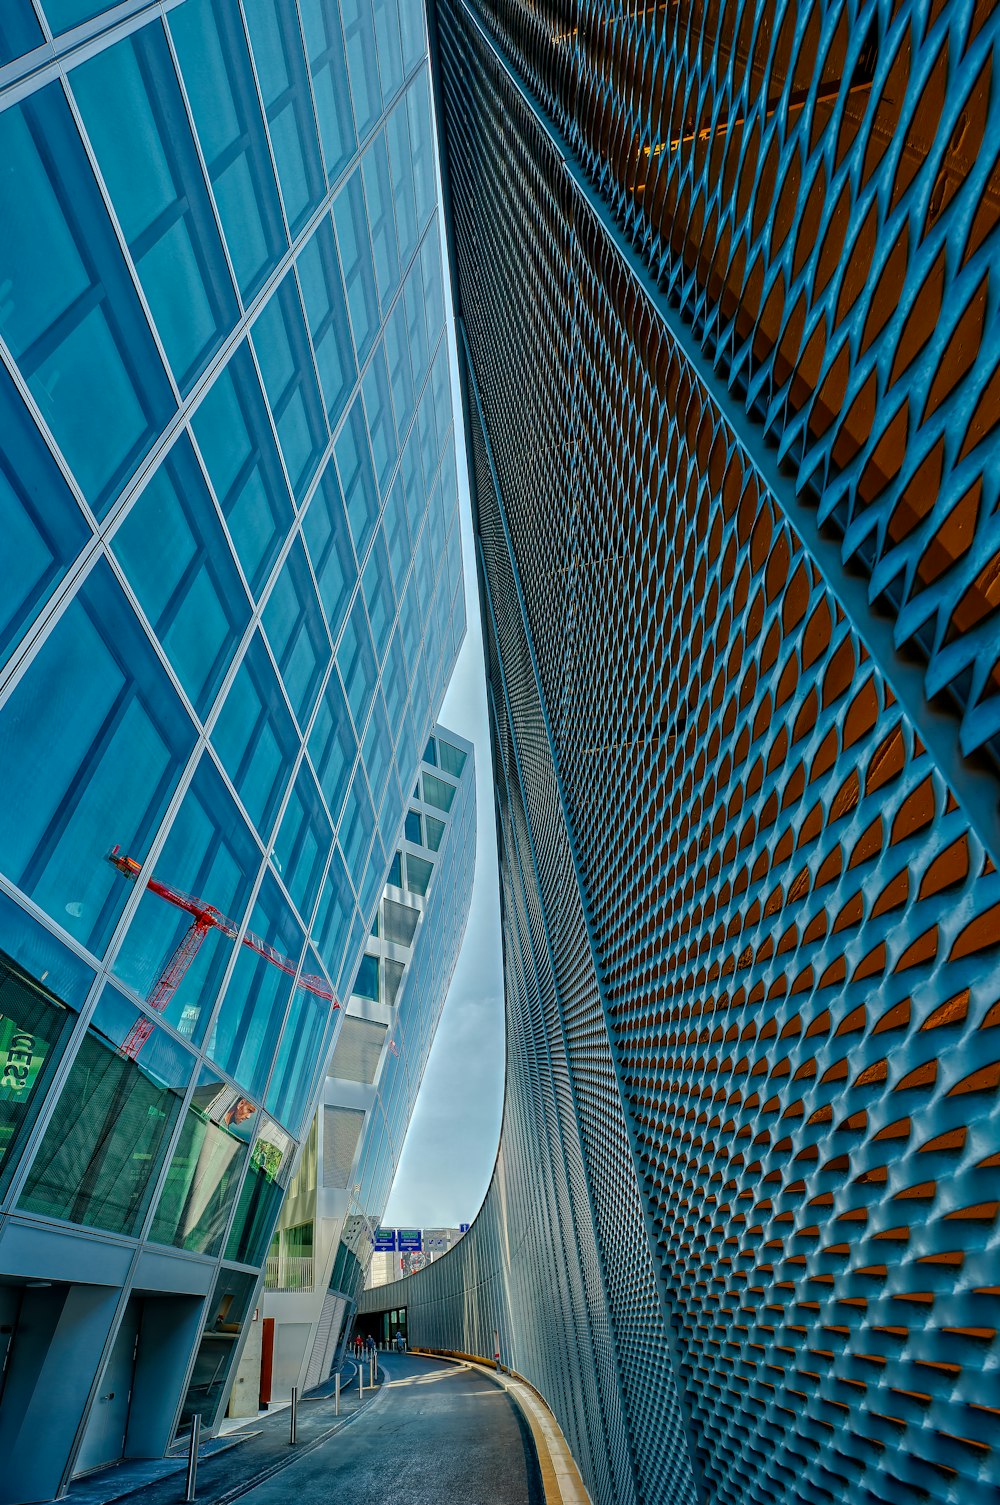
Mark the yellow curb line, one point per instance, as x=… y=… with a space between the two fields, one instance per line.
x=561 y=1480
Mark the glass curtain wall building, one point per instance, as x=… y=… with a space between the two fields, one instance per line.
x=230 y=601
x=726 y=276
x=336 y=1200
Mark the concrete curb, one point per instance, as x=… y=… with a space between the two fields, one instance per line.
x=561 y=1480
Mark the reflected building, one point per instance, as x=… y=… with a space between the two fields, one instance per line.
x=230 y=601
x=330 y=1218
x=726 y=278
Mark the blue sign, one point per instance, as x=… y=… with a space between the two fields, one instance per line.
x=409 y=1240
x=464 y=1227
x=384 y=1241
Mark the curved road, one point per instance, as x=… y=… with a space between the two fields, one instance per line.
x=436 y=1433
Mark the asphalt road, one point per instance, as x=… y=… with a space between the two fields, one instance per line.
x=436 y=1432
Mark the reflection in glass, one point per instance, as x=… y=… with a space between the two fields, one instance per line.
x=261 y=1196
x=104 y=1144
x=227 y=1312
x=34 y=1028
x=92 y=743
x=197 y=1196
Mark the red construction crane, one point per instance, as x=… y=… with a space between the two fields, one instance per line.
x=205 y=917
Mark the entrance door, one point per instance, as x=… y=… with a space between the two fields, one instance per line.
x=104 y=1439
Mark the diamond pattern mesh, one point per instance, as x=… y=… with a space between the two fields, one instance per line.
x=742 y=1231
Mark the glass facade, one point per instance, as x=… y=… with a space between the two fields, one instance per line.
x=231 y=595
x=399 y=990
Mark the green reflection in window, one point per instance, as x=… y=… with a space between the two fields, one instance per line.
x=198 y=1194
x=112 y=1124
x=261 y=1196
x=34 y=1027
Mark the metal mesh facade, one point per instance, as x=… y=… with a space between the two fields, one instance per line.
x=722 y=277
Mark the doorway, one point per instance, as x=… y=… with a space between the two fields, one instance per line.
x=104 y=1439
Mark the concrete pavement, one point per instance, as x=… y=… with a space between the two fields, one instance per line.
x=435 y=1432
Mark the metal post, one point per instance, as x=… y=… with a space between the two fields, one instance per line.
x=361 y=1379
x=336 y=1394
x=192 y=1467
x=294 y=1423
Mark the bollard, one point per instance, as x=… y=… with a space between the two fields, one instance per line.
x=293 y=1427
x=336 y=1394
x=361 y=1381
x=192 y=1465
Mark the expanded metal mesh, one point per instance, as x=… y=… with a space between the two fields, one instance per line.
x=743 y=1227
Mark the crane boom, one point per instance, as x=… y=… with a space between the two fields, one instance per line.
x=205 y=917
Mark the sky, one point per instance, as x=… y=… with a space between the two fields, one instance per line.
x=448 y=1154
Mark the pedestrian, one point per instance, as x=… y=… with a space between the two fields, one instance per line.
x=399 y=1340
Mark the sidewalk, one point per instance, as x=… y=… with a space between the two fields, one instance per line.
x=246 y=1452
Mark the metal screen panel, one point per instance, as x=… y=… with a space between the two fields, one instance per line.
x=722 y=277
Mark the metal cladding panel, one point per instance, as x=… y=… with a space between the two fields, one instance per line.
x=723 y=288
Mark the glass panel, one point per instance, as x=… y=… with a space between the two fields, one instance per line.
x=215 y=62
x=248 y=1023
x=437 y=792
x=332 y=746
x=362 y=62
x=452 y=758
x=357 y=665
x=156 y=184
x=295 y=629
x=357 y=827
x=398 y=363
x=390 y=53
x=100 y=1154
x=366 y=982
x=356 y=259
x=435 y=832
x=396 y=871
x=411 y=30
x=394 y=685
x=284 y=84
x=378 y=410
x=335 y=914
x=357 y=478
x=92 y=743
x=198 y=1194
x=261 y=1196
x=61 y=14
x=326 y=313
x=42 y=527
x=377 y=583
x=330 y=548
x=377 y=750
x=35 y=1023
x=418 y=873
x=412 y=829
x=19 y=31
x=255 y=737
x=397 y=533
x=211 y=856
x=237 y=445
x=328 y=65
x=381 y=224
x=418 y=104
x=70 y=313
x=303 y=843
x=229 y=1309
x=286 y=364
x=299 y=1055
x=179 y=564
